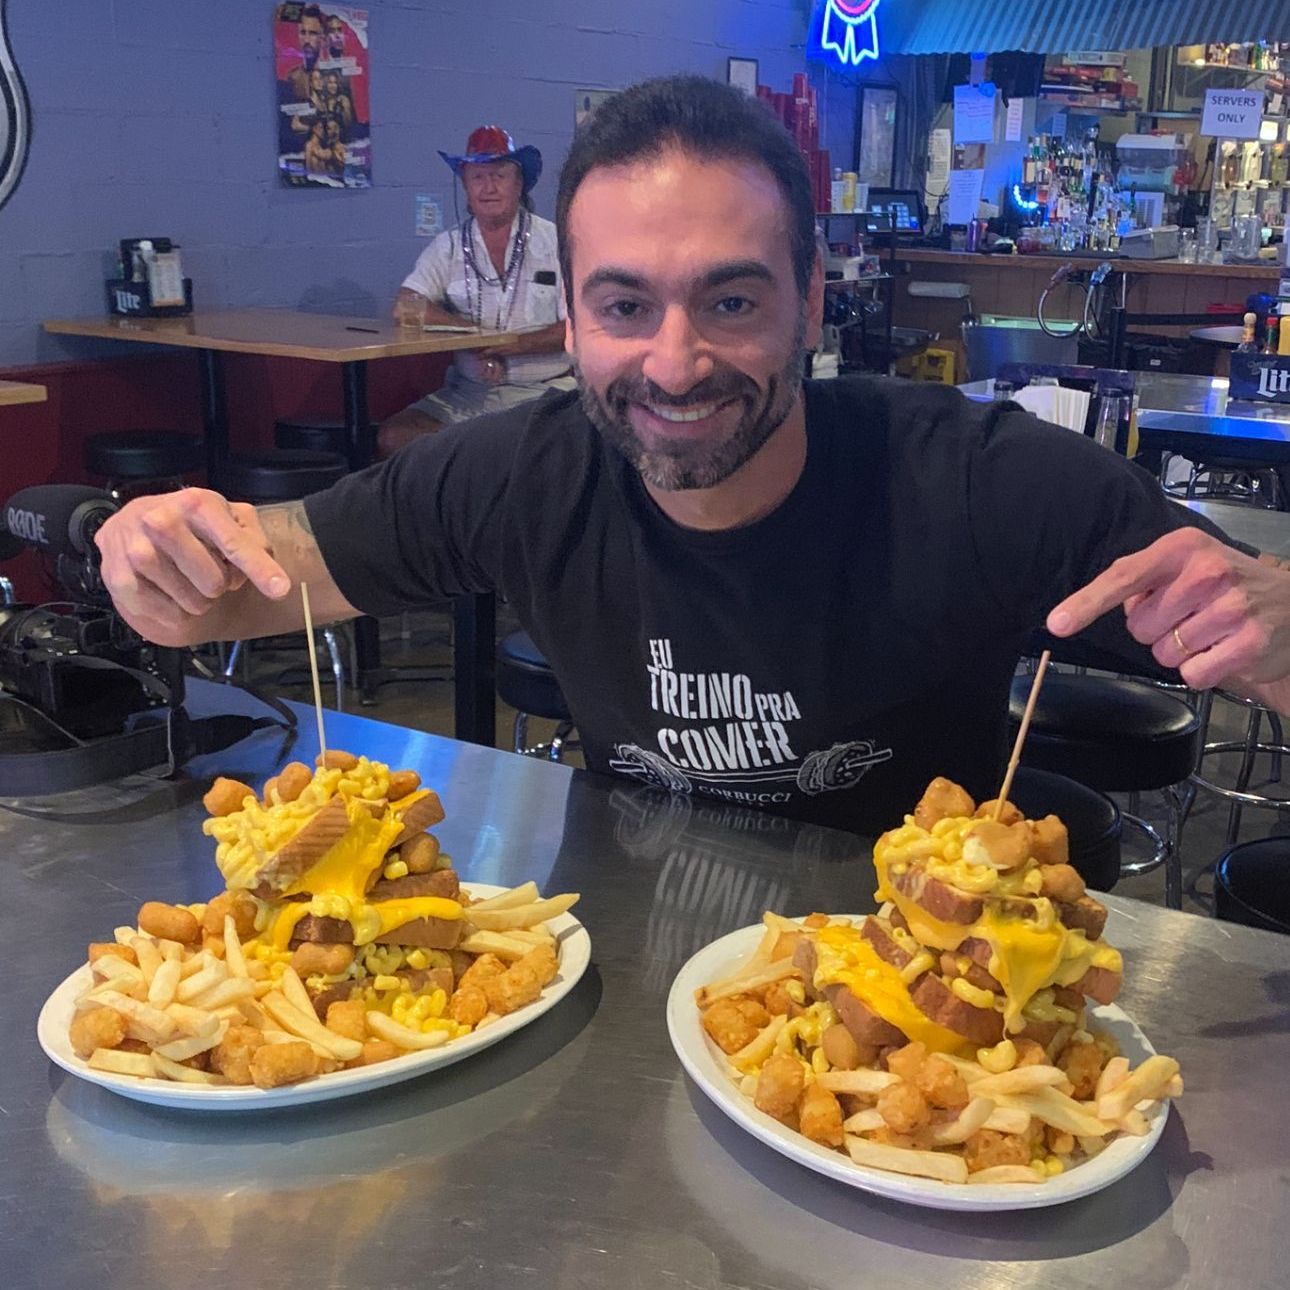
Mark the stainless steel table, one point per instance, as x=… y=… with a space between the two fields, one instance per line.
x=576 y=1153
x=1193 y=415
x=1267 y=530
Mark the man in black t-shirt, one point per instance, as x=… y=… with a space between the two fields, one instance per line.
x=803 y=597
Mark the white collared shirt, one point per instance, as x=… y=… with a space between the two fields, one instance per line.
x=440 y=275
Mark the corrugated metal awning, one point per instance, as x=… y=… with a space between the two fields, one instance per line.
x=1055 y=26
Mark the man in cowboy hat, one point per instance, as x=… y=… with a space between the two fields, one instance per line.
x=498 y=269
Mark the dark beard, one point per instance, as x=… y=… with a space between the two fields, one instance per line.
x=692 y=465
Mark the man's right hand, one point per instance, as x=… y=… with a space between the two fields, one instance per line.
x=168 y=560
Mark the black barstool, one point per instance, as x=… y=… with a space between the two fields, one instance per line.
x=138 y=462
x=1250 y=885
x=1118 y=736
x=525 y=681
x=312 y=434
x=1091 y=818
x=285 y=475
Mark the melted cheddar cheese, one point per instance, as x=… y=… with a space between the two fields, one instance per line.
x=844 y=957
x=1027 y=954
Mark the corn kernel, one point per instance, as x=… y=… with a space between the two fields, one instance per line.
x=386 y=983
x=417 y=959
x=395 y=869
x=1053 y=1166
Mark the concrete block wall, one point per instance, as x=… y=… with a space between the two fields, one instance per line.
x=157 y=117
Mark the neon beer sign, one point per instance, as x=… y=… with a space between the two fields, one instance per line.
x=850 y=30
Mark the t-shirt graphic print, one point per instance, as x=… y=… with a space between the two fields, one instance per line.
x=717 y=734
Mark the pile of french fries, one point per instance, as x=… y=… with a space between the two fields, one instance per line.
x=1009 y=1101
x=160 y=1008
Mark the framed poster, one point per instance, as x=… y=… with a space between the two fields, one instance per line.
x=742 y=74
x=321 y=62
x=876 y=147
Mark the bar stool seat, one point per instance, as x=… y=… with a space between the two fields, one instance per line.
x=313 y=434
x=1118 y=736
x=280 y=475
x=1250 y=885
x=526 y=682
x=130 y=459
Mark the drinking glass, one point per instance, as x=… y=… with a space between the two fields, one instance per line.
x=1187 y=246
x=411 y=311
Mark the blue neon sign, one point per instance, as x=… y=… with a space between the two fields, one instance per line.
x=850 y=30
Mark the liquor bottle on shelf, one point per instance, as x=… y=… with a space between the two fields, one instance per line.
x=1271 y=334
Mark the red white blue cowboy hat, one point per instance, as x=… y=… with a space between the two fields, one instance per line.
x=492 y=143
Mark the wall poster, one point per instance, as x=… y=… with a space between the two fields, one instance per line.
x=321 y=61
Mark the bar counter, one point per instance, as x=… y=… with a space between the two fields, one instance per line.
x=1267 y=271
x=576 y=1153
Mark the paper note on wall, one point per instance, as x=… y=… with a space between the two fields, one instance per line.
x=939 y=151
x=965 y=195
x=974 y=113
x=1012 y=130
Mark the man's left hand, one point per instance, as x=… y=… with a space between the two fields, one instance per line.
x=1217 y=615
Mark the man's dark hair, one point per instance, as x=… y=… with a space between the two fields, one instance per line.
x=311 y=11
x=698 y=116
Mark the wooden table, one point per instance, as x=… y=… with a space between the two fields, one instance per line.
x=13 y=392
x=352 y=343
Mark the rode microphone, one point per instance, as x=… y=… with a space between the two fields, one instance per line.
x=60 y=519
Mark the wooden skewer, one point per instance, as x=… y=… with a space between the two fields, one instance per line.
x=1021 y=733
x=313 y=668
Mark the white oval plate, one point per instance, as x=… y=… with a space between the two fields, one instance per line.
x=707 y=1066
x=56 y=1016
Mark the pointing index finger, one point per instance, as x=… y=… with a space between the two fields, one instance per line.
x=242 y=549
x=1129 y=576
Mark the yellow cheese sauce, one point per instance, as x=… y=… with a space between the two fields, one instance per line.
x=845 y=957
x=1027 y=954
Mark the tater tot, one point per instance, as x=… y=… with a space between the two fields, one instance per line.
x=102 y=949
x=907 y=1061
x=97 y=1028
x=403 y=782
x=843 y=1052
x=734 y=1022
x=169 y=922
x=819 y=1116
x=1083 y=1064
x=522 y=982
x=225 y=796
x=778 y=1001
x=468 y=1005
x=348 y=1017
x=942 y=800
x=293 y=779
x=231 y=1057
x=240 y=905
x=480 y=970
x=1009 y=815
x=335 y=759
x=420 y=854
x=375 y=1050
x=1061 y=882
x=273 y=1065
x=986 y=1148
x=1049 y=841
x=941 y=1084
x=903 y=1107
x=1030 y=1053
x=779 y=1086
x=311 y=959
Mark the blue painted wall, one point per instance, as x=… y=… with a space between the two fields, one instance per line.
x=156 y=117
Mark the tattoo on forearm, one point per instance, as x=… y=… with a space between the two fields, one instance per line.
x=286 y=525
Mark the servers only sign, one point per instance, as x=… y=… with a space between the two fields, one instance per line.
x=1232 y=114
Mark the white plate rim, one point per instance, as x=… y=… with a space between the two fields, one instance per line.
x=55 y=1015
x=704 y=1063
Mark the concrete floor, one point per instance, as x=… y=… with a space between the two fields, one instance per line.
x=425 y=640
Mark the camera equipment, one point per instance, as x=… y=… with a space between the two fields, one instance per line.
x=116 y=699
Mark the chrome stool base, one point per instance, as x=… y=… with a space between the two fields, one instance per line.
x=554 y=750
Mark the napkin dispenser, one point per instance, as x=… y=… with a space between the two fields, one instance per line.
x=151 y=282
